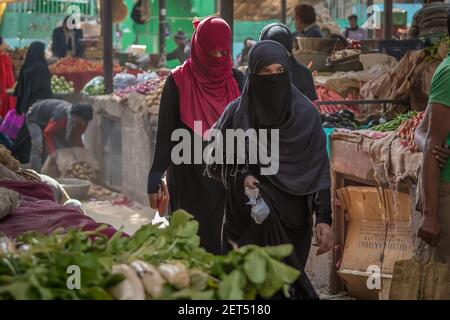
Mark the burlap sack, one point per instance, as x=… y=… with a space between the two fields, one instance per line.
x=397 y=83
x=370 y=60
x=406 y=280
x=421 y=83
x=9 y=200
x=420 y=278
x=137 y=102
x=8 y=174
x=8 y=160
x=64 y=158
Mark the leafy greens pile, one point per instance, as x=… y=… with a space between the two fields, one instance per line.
x=37 y=268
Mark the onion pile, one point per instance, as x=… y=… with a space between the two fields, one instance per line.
x=150 y=91
x=145 y=88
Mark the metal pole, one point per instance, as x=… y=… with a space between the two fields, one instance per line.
x=388 y=29
x=107 y=30
x=227 y=13
x=162 y=26
x=283 y=11
x=370 y=32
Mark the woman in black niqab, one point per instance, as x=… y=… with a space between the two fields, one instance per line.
x=33 y=84
x=301 y=76
x=300 y=187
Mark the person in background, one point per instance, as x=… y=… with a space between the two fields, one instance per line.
x=183 y=49
x=33 y=84
x=301 y=76
x=305 y=22
x=56 y=124
x=66 y=41
x=433 y=139
x=242 y=58
x=3 y=44
x=430 y=20
x=198 y=91
x=354 y=32
x=301 y=185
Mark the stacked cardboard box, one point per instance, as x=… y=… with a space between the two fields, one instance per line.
x=378 y=234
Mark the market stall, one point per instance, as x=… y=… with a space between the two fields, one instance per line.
x=79 y=71
x=374 y=190
x=369 y=115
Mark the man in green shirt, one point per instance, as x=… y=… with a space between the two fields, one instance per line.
x=433 y=139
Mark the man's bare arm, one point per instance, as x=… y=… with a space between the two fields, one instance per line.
x=438 y=130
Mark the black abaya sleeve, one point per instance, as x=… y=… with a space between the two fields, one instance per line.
x=167 y=123
x=302 y=79
x=322 y=204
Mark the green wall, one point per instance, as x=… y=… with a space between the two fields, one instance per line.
x=180 y=14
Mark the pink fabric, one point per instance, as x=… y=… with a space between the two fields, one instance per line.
x=206 y=84
x=6 y=82
x=12 y=123
x=39 y=212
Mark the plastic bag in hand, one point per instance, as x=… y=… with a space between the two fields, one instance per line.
x=260 y=210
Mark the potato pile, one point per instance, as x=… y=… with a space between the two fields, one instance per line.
x=154 y=97
x=81 y=170
x=100 y=193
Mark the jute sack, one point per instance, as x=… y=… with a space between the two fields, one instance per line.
x=64 y=159
x=420 y=278
x=9 y=200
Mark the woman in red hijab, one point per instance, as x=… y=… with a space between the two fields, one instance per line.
x=198 y=91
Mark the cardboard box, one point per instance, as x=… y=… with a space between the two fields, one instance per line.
x=378 y=234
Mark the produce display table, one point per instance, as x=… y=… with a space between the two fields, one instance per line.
x=123 y=143
x=79 y=79
x=352 y=164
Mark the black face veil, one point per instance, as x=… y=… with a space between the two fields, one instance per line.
x=269 y=95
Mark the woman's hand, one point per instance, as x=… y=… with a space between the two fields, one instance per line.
x=250 y=182
x=159 y=201
x=324 y=238
x=442 y=154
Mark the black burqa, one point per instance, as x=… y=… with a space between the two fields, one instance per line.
x=272 y=102
x=189 y=188
x=33 y=84
x=301 y=76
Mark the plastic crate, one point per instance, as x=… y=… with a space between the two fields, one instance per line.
x=398 y=48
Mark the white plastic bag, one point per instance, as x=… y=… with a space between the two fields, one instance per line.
x=260 y=210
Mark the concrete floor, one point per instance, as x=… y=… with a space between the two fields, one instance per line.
x=127 y=218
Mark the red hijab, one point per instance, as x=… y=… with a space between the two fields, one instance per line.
x=206 y=84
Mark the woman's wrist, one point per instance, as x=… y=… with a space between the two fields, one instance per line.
x=154 y=182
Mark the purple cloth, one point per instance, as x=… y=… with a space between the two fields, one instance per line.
x=39 y=212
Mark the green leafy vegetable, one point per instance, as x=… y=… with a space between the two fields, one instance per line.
x=38 y=269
